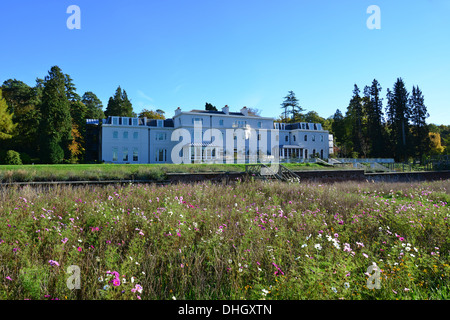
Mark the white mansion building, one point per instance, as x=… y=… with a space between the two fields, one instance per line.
x=211 y=137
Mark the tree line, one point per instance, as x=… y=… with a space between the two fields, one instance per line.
x=369 y=129
x=46 y=123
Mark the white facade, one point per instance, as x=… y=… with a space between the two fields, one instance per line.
x=210 y=136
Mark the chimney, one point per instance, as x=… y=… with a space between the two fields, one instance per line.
x=226 y=109
x=244 y=111
x=177 y=111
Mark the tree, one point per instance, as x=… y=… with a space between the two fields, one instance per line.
x=338 y=127
x=7 y=125
x=313 y=117
x=150 y=114
x=355 y=116
x=24 y=102
x=119 y=105
x=374 y=111
x=209 y=106
x=71 y=90
x=161 y=112
x=290 y=101
x=93 y=105
x=419 y=128
x=436 y=147
x=56 y=126
x=398 y=113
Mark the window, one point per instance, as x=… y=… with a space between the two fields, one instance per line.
x=135 y=135
x=161 y=155
x=306 y=137
x=286 y=138
x=114 y=154
x=293 y=137
x=125 y=134
x=259 y=124
x=161 y=136
x=115 y=121
x=125 y=154
x=115 y=135
x=313 y=138
x=321 y=138
x=135 y=122
x=303 y=126
x=198 y=121
x=135 y=154
x=221 y=122
x=159 y=123
x=239 y=124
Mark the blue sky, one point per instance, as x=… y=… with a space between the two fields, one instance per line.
x=172 y=53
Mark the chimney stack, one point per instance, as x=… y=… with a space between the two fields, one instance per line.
x=226 y=109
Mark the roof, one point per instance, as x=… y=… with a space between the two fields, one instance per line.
x=250 y=114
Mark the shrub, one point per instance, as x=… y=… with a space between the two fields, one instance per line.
x=26 y=159
x=13 y=157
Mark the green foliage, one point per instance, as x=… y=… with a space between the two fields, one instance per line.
x=119 y=105
x=13 y=158
x=93 y=105
x=150 y=114
x=56 y=125
x=209 y=106
x=6 y=120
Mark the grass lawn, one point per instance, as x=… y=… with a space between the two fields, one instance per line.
x=95 y=172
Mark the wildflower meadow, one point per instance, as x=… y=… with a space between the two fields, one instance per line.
x=245 y=240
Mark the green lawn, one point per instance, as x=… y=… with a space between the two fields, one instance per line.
x=95 y=172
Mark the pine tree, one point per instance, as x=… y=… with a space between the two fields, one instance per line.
x=419 y=128
x=338 y=127
x=398 y=113
x=355 y=117
x=71 y=90
x=56 y=124
x=290 y=101
x=93 y=105
x=374 y=111
x=6 y=120
x=119 y=105
x=209 y=106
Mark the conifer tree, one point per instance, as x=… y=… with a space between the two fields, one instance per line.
x=56 y=124
x=374 y=111
x=419 y=128
x=398 y=114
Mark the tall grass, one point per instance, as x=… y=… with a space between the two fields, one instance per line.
x=242 y=241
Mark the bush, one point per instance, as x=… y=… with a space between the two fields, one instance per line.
x=26 y=159
x=13 y=157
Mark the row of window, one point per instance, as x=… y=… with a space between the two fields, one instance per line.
x=163 y=136
x=159 y=136
x=236 y=124
x=125 y=135
x=294 y=137
x=115 y=154
x=160 y=155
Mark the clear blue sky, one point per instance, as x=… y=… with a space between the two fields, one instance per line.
x=172 y=53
